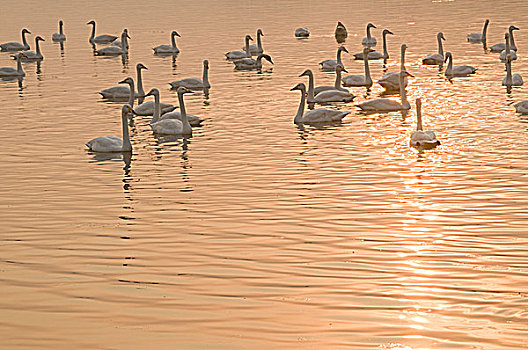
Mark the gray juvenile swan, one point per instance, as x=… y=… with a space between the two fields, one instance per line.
x=330 y=65
x=315 y=116
x=235 y=55
x=168 y=49
x=479 y=37
x=172 y=126
x=10 y=72
x=14 y=46
x=502 y=46
x=302 y=32
x=252 y=64
x=256 y=49
x=387 y=104
x=391 y=81
x=32 y=55
x=60 y=36
x=369 y=40
x=511 y=80
x=115 y=50
x=375 y=55
x=100 y=39
x=359 y=79
x=340 y=32
x=436 y=58
x=420 y=139
x=457 y=71
x=194 y=83
x=113 y=143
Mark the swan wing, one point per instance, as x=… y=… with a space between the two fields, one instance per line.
x=189 y=83
x=380 y=104
x=105 y=38
x=333 y=96
x=168 y=127
x=233 y=55
x=116 y=92
x=105 y=144
x=8 y=71
x=12 y=46
x=354 y=80
x=321 y=115
x=434 y=58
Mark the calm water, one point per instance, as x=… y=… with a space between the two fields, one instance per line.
x=254 y=233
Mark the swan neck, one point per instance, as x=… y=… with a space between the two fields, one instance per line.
x=60 y=29
x=37 y=47
x=419 y=126
x=311 y=88
x=368 y=33
x=484 y=31
x=132 y=94
x=157 y=112
x=24 y=41
x=403 y=93
x=300 y=110
x=173 y=39
x=449 y=65
x=127 y=146
x=185 y=121
x=259 y=41
x=19 y=66
x=93 y=32
x=337 y=83
x=339 y=57
x=385 y=52
x=440 y=47
x=508 y=47
x=402 y=67
x=512 y=40
x=141 y=92
x=509 y=79
x=247 y=46
x=368 y=79
x=205 y=77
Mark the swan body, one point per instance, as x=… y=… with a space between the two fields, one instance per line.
x=170 y=126
x=316 y=115
x=60 y=36
x=330 y=65
x=340 y=32
x=421 y=139
x=235 y=55
x=193 y=119
x=194 y=83
x=511 y=80
x=252 y=64
x=457 y=71
x=502 y=46
x=100 y=39
x=118 y=93
x=369 y=40
x=32 y=55
x=256 y=49
x=111 y=143
x=391 y=81
x=115 y=50
x=387 y=104
x=359 y=79
x=147 y=108
x=479 y=37
x=14 y=46
x=302 y=32
x=436 y=58
x=521 y=107
x=168 y=49
x=10 y=72
x=373 y=54
x=329 y=96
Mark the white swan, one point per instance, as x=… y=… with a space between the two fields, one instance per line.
x=115 y=50
x=172 y=126
x=315 y=116
x=60 y=36
x=330 y=65
x=340 y=32
x=369 y=40
x=391 y=81
x=327 y=95
x=376 y=55
x=100 y=39
x=194 y=83
x=359 y=79
x=252 y=64
x=420 y=139
x=10 y=72
x=32 y=55
x=111 y=143
x=387 y=104
x=14 y=46
x=235 y=55
x=436 y=58
x=168 y=49
x=119 y=43
x=479 y=37
x=120 y=92
x=302 y=32
x=511 y=80
x=502 y=46
x=521 y=107
x=507 y=51
x=256 y=49
x=457 y=71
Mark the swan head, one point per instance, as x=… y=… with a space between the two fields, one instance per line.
x=506 y=36
x=128 y=81
x=386 y=31
x=60 y=23
x=404 y=47
x=153 y=92
x=206 y=63
x=175 y=33
x=39 y=38
x=508 y=58
x=183 y=90
x=370 y=25
x=300 y=87
x=259 y=32
x=418 y=105
x=248 y=37
x=267 y=58
x=341 y=25
x=440 y=35
x=307 y=72
x=140 y=66
x=91 y=22
x=512 y=28
x=127 y=109
x=486 y=22
x=366 y=51
x=340 y=68
x=25 y=31
x=447 y=56
x=19 y=55
x=342 y=48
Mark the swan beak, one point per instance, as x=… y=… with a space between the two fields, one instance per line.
x=515 y=28
x=304 y=73
x=294 y=88
x=123 y=82
x=178 y=34
x=128 y=36
x=389 y=32
x=250 y=38
x=344 y=70
x=344 y=49
x=409 y=74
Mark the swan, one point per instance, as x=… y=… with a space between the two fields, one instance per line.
x=420 y=139
x=302 y=32
x=479 y=37
x=521 y=107
x=235 y=55
x=171 y=126
x=120 y=92
x=252 y=64
x=139 y=79
x=193 y=120
x=314 y=116
x=100 y=39
x=9 y=72
x=507 y=50
x=194 y=83
x=149 y=107
x=457 y=71
x=324 y=95
x=502 y=46
x=256 y=49
x=375 y=55
x=168 y=49
x=391 y=81
x=329 y=96
x=340 y=32
x=113 y=143
x=60 y=36
x=436 y=58
x=387 y=104
x=32 y=55
x=330 y=65
x=115 y=50
x=369 y=41
x=359 y=79
x=321 y=88
x=118 y=43
x=14 y=46
x=509 y=80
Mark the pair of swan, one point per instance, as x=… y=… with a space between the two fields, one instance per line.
x=168 y=49
x=256 y=49
x=507 y=51
x=60 y=36
x=159 y=116
x=511 y=80
x=171 y=126
x=369 y=40
x=252 y=64
x=315 y=116
x=457 y=71
x=10 y=72
x=327 y=94
x=115 y=50
x=330 y=65
x=236 y=55
x=32 y=55
x=100 y=39
x=421 y=139
x=373 y=54
x=479 y=37
x=387 y=104
x=340 y=32
x=110 y=144
x=391 y=81
x=502 y=46
x=14 y=46
x=358 y=79
x=123 y=92
x=194 y=83
x=436 y=58
x=302 y=32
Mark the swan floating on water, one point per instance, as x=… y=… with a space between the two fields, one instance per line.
x=420 y=139
x=60 y=36
x=315 y=116
x=330 y=65
x=302 y=32
x=521 y=107
x=507 y=51
x=511 y=80
x=118 y=93
x=375 y=55
x=14 y=46
x=100 y=39
x=256 y=49
x=170 y=126
x=359 y=79
x=369 y=40
x=235 y=55
x=115 y=50
x=168 y=49
x=111 y=143
x=502 y=46
x=391 y=81
x=252 y=64
x=436 y=58
x=10 y=72
x=118 y=43
x=326 y=94
x=340 y=32
x=194 y=83
x=457 y=71
x=479 y=37
x=387 y=104
x=32 y=55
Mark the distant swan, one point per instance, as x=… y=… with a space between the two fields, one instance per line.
x=315 y=115
x=375 y=55
x=194 y=83
x=511 y=80
x=502 y=46
x=252 y=64
x=171 y=126
x=521 y=107
x=60 y=36
x=8 y=72
x=387 y=104
x=118 y=43
x=479 y=37
x=340 y=32
x=391 y=81
x=234 y=55
x=359 y=79
x=302 y=32
x=256 y=49
x=115 y=50
x=120 y=92
x=457 y=71
x=100 y=39
x=114 y=143
x=168 y=49
x=32 y=55
x=14 y=46
x=436 y=58
x=507 y=50
x=420 y=139
x=330 y=65
x=369 y=41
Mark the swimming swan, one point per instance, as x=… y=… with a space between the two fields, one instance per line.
x=326 y=95
x=521 y=107
x=60 y=36
x=302 y=32
x=100 y=39
x=118 y=43
x=436 y=58
x=9 y=72
x=120 y=92
x=373 y=54
x=172 y=126
x=115 y=50
x=457 y=71
x=359 y=79
x=168 y=49
x=14 y=46
x=235 y=55
x=340 y=32
x=321 y=88
x=256 y=49
x=387 y=104
x=369 y=41
x=479 y=37
x=252 y=64
x=509 y=80
x=114 y=143
x=391 y=81
x=194 y=83
x=507 y=50
x=330 y=65
x=193 y=120
x=420 y=139
x=502 y=46
x=32 y=55
x=315 y=116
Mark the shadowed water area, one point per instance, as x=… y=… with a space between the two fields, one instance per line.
x=256 y=233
